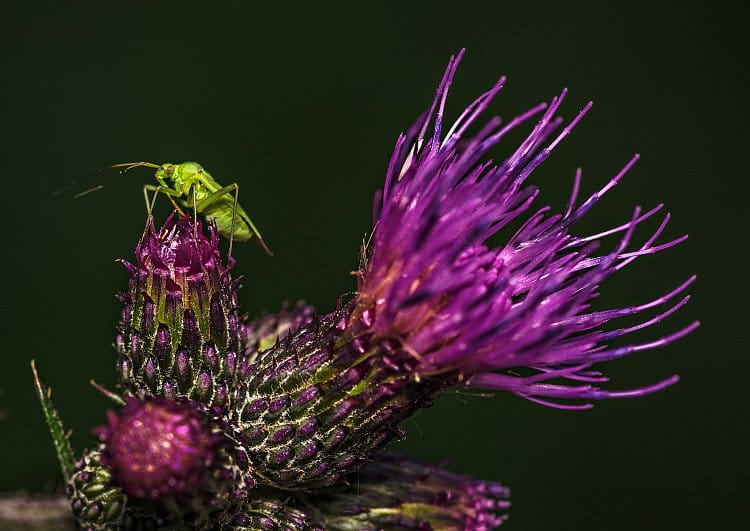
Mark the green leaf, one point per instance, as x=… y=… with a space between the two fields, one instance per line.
x=55 y=425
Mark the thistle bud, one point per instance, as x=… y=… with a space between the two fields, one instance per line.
x=394 y=492
x=160 y=450
x=179 y=335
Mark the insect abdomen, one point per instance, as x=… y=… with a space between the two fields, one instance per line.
x=223 y=220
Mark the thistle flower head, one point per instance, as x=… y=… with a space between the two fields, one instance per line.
x=308 y=399
x=158 y=448
x=429 y=277
x=180 y=328
x=437 y=306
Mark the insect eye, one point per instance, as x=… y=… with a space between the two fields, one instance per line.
x=169 y=169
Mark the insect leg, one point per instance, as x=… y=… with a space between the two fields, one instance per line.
x=148 y=202
x=216 y=196
x=234 y=216
x=170 y=193
x=195 y=215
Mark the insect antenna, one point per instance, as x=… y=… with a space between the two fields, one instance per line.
x=97 y=175
x=130 y=165
x=87 y=192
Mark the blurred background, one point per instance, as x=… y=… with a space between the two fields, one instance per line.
x=300 y=104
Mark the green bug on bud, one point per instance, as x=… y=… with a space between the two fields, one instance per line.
x=189 y=184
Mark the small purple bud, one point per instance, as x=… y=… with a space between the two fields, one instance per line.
x=179 y=283
x=385 y=492
x=157 y=447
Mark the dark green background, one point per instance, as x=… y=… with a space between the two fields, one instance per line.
x=301 y=105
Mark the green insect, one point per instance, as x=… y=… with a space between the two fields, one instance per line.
x=190 y=185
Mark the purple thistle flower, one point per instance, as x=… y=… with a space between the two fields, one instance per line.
x=311 y=399
x=437 y=308
x=158 y=448
x=429 y=279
